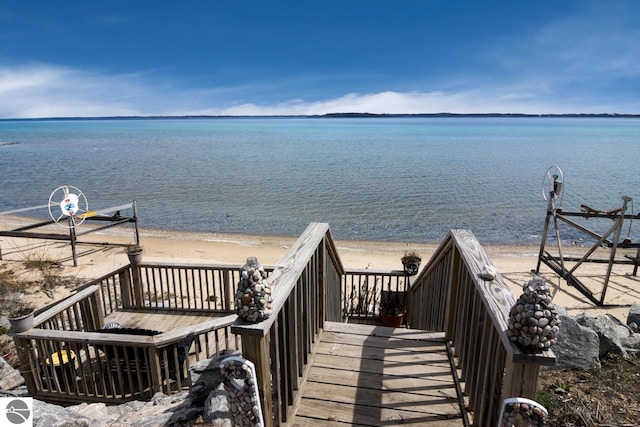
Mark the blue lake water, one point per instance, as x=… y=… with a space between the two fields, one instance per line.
x=397 y=179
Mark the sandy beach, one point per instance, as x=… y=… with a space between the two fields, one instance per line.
x=514 y=263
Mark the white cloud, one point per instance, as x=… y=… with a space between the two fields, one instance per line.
x=41 y=90
x=585 y=55
x=496 y=100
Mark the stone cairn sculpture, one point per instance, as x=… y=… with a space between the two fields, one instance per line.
x=253 y=298
x=519 y=411
x=533 y=320
x=242 y=392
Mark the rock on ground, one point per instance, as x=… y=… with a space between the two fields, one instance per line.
x=578 y=347
x=10 y=378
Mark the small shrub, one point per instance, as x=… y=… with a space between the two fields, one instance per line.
x=561 y=386
x=546 y=399
x=39 y=260
x=20 y=309
x=412 y=257
x=134 y=249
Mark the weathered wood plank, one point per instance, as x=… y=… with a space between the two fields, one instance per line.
x=369 y=375
x=160 y=320
x=364 y=355
x=381 y=342
x=396 y=398
x=438 y=383
x=322 y=411
x=383 y=331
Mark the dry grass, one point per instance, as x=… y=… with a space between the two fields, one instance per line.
x=22 y=282
x=606 y=397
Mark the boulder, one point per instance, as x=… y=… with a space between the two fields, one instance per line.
x=207 y=399
x=609 y=330
x=10 y=378
x=578 y=347
x=634 y=317
x=631 y=344
x=98 y=411
x=49 y=415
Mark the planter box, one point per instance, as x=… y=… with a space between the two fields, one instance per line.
x=21 y=324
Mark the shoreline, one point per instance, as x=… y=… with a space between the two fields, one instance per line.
x=514 y=263
x=222 y=247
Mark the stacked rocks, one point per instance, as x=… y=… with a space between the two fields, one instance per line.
x=533 y=320
x=242 y=397
x=531 y=413
x=253 y=298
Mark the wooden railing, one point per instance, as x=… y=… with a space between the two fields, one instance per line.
x=68 y=357
x=449 y=295
x=362 y=291
x=187 y=287
x=306 y=292
x=183 y=287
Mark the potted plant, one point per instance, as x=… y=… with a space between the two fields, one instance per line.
x=134 y=252
x=411 y=262
x=393 y=309
x=21 y=317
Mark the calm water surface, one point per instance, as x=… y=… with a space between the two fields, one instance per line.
x=398 y=179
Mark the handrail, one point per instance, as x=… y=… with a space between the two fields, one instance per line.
x=63 y=305
x=306 y=292
x=449 y=295
x=162 y=339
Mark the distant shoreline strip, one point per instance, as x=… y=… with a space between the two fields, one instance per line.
x=346 y=115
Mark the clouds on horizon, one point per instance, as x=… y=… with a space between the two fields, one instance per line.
x=42 y=90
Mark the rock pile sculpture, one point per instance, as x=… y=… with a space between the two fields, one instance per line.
x=242 y=392
x=253 y=298
x=519 y=411
x=533 y=320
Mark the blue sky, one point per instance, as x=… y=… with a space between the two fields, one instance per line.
x=111 y=58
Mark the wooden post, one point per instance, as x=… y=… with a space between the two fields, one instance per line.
x=22 y=348
x=125 y=289
x=96 y=307
x=228 y=290
x=520 y=380
x=72 y=237
x=452 y=294
x=136 y=276
x=135 y=222
x=155 y=370
x=322 y=285
x=256 y=349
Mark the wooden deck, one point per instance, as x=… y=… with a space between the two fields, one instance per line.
x=159 y=320
x=377 y=376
